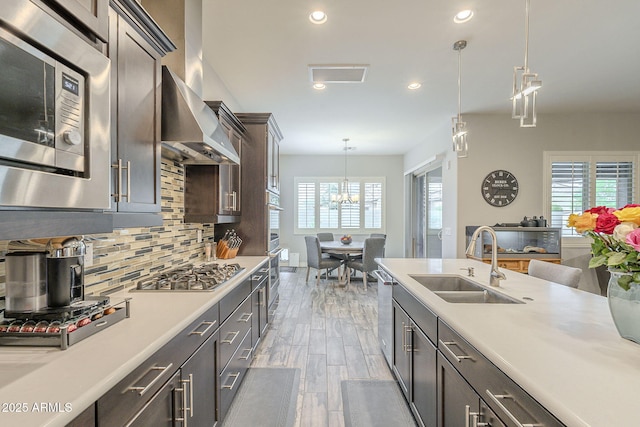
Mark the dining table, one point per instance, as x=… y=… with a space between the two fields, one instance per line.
x=348 y=250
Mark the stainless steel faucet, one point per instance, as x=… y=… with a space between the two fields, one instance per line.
x=496 y=275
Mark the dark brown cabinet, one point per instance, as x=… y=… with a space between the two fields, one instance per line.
x=199 y=378
x=259 y=302
x=414 y=364
x=213 y=193
x=136 y=82
x=164 y=408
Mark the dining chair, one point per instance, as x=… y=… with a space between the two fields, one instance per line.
x=384 y=236
x=325 y=237
x=557 y=273
x=373 y=248
x=316 y=259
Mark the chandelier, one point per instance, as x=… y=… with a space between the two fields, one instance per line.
x=344 y=196
x=525 y=84
x=459 y=128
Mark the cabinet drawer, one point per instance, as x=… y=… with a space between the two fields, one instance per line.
x=426 y=320
x=234 y=298
x=260 y=276
x=507 y=399
x=231 y=377
x=132 y=393
x=233 y=331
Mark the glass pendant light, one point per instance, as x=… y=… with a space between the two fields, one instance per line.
x=458 y=127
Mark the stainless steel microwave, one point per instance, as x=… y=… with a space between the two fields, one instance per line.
x=54 y=114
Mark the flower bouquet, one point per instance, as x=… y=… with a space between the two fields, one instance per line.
x=616 y=244
x=616 y=239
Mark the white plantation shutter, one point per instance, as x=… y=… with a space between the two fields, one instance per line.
x=328 y=209
x=569 y=192
x=350 y=212
x=614 y=184
x=585 y=180
x=316 y=209
x=373 y=205
x=306 y=205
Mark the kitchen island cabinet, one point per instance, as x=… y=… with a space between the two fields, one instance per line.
x=536 y=360
x=87 y=371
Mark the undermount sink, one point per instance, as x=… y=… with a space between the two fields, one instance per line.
x=457 y=289
x=446 y=283
x=477 y=297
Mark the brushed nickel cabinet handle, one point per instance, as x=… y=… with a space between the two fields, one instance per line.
x=248 y=355
x=230 y=341
x=118 y=167
x=496 y=398
x=142 y=390
x=209 y=326
x=128 y=195
x=446 y=345
x=235 y=376
x=245 y=317
x=191 y=387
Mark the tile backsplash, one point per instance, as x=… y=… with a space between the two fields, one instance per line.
x=121 y=258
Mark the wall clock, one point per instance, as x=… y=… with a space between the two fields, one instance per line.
x=499 y=188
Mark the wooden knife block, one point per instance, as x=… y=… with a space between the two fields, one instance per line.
x=223 y=251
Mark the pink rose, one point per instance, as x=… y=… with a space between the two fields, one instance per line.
x=633 y=239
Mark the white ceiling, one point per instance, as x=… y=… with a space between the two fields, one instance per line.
x=585 y=51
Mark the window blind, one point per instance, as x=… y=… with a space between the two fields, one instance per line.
x=306 y=205
x=569 y=192
x=373 y=205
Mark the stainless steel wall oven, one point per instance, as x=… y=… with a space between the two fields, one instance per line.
x=54 y=114
x=273 y=236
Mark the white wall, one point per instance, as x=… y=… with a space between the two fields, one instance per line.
x=497 y=142
x=391 y=167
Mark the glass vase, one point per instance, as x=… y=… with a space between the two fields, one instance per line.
x=625 y=307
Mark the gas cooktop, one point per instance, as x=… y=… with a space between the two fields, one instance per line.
x=206 y=277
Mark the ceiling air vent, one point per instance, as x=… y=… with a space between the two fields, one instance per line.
x=338 y=73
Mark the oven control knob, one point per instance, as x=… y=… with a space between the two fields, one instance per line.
x=72 y=137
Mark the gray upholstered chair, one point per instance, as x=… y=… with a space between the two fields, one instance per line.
x=373 y=248
x=384 y=236
x=557 y=273
x=316 y=259
x=325 y=237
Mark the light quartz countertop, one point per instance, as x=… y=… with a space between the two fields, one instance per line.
x=562 y=347
x=75 y=378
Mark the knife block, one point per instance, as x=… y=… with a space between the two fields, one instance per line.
x=223 y=251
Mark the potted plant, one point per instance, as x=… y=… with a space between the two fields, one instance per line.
x=615 y=235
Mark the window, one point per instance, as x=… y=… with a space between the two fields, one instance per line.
x=577 y=182
x=316 y=209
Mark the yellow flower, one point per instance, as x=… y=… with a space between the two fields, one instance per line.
x=628 y=215
x=583 y=222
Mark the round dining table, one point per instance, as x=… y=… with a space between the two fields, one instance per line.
x=336 y=247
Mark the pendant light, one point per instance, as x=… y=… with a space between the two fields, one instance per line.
x=345 y=196
x=525 y=84
x=459 y=128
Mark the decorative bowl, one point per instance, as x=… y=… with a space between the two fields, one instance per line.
x=345 y=240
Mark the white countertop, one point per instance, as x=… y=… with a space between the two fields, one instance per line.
x=81 y=374
x=562 y=347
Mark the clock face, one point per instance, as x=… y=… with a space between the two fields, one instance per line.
x=499 y=188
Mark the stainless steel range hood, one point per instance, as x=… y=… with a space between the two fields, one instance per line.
x=191 y=132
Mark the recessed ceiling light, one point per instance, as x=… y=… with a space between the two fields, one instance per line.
x=319 y=86
x=414 y=86
x=463 y=16
x=318 y=17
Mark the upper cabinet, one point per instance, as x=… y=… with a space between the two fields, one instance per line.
x=264 y=162
x=212 y=192
x=136 y=46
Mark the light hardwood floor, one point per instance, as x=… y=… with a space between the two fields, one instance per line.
x=330 y=333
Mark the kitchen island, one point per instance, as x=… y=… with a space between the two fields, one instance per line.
x=560 y=345
x=44 y=386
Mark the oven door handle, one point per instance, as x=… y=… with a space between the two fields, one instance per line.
x=275 y=253
x=273 y=207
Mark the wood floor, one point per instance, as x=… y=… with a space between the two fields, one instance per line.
x=330 y=333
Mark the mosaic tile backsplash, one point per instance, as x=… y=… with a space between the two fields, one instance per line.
x=121 y=258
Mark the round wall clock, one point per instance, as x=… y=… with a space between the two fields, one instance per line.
x=499 y=188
